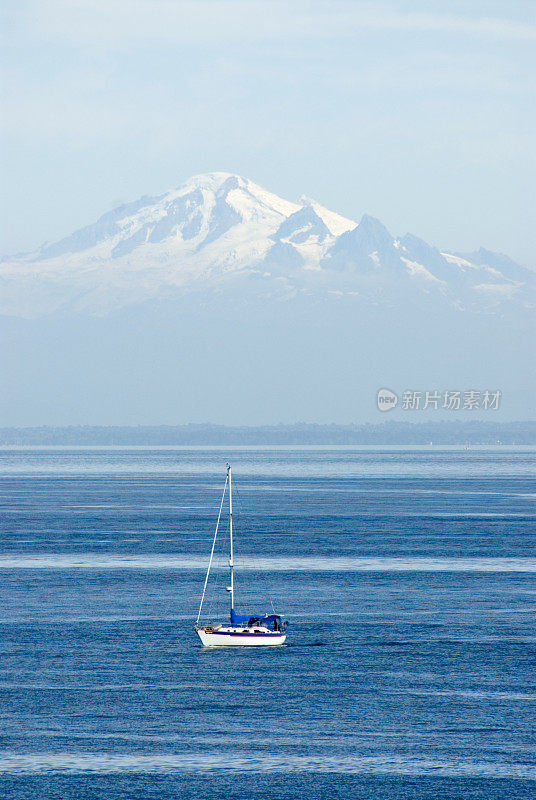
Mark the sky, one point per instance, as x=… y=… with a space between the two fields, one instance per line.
x=419 y=113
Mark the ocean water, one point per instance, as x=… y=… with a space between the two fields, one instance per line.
x=408 y=577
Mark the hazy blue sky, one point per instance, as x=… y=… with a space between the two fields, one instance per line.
x=420 y=113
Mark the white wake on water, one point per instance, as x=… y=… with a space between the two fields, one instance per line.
x=164 y=562
x=173 y=763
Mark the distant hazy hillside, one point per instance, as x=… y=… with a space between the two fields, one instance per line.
x=451 y=433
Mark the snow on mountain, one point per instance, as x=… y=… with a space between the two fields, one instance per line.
x=303 y=226
x=219 y=227
x=333 y=221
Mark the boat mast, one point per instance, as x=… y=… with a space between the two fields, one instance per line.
x=231 y=562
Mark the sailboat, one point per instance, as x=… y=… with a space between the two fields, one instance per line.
x=243 y=629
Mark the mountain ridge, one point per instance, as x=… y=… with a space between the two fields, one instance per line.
x=219 y=225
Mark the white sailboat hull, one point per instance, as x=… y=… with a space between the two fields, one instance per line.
x=240 y=638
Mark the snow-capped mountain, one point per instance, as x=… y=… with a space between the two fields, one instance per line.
x=219 y=231
x=221 y=301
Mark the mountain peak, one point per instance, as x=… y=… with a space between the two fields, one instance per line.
x=212 y=180
x=372 y=226
x=336 y=223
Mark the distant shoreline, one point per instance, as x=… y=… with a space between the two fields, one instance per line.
x=468 y=433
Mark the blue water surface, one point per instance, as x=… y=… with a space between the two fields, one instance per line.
x=408 y=577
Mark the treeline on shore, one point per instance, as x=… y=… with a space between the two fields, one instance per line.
x=475 y=432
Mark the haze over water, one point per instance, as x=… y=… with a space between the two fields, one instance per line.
x=408 y=577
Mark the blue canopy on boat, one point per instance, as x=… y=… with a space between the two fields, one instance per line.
x=245 y=619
